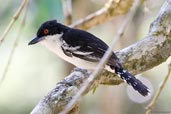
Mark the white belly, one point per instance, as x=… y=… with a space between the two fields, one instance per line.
x=54 y=44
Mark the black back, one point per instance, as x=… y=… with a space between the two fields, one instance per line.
x=89 y=43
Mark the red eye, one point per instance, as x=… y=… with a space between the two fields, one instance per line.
x=46 y=31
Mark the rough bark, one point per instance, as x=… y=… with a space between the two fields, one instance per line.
x=154 y=49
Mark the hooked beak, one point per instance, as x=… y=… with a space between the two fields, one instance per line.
x=35 y=40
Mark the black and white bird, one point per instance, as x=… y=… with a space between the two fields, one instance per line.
x=83 y=50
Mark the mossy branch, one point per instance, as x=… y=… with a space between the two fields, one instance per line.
x=154 y=49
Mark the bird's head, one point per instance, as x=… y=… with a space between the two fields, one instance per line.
x=48 y=28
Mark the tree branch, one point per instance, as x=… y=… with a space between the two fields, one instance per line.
x=154 y=49
x=111 y=9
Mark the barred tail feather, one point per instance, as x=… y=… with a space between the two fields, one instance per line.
x=134 y=82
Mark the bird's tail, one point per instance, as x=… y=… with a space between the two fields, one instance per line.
x=134 y=82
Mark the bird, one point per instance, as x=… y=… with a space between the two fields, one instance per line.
x=84 y=50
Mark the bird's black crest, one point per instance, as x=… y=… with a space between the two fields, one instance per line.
x=50 y=28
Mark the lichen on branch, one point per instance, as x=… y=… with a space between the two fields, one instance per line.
x=151 y=51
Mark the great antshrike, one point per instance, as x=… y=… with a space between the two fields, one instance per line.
x=83 y=50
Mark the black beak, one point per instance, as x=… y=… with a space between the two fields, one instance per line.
x=35 y=40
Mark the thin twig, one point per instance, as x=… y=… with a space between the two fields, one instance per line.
x=15 y=17
x=103 y=61
x=15 y=43
x=161 y=86
x=67 y=8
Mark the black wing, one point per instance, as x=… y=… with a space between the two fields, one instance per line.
x=85 y=46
